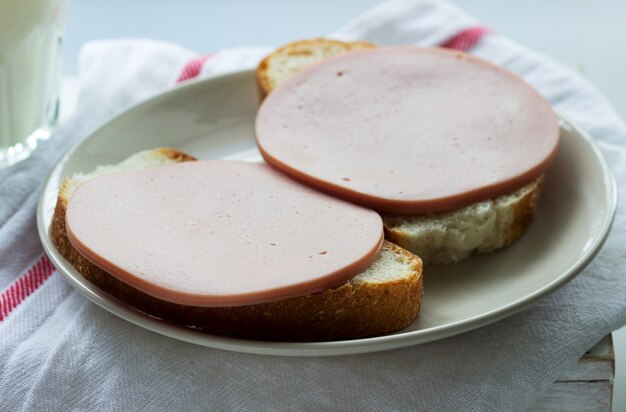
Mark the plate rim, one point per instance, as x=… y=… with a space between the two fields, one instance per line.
x=331 y=348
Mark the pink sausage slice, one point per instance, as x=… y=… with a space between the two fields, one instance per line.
x=408 y=130
x=220 y=233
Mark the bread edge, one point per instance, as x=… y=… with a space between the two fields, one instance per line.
x=262 y=79
x=523 y=215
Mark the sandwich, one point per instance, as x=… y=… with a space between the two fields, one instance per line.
x=382 y=298
x=445 y=234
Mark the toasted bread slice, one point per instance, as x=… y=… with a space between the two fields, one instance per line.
x=440 y=238
x=384 y=298
x=293 y=57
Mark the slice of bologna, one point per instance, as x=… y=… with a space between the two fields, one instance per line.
x=408 y=130
x=220 y=233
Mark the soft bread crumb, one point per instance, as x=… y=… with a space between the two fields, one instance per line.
x=390 y=266
x=450 y=237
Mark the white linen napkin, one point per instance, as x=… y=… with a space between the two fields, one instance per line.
x=59 y=351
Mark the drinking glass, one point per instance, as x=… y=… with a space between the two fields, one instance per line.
x=30 y=74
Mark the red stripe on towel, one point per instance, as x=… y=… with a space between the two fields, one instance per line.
x=25 y=285
x=466 y=39
x=192 y=68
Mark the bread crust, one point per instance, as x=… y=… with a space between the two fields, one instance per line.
x=348 y=312
x=263 y=76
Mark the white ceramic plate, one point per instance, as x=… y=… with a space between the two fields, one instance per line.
x=214 y=118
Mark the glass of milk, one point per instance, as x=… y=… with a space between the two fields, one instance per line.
x=30 y=73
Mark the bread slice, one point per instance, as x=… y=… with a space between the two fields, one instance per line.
x=441 y=238
x=384 y=298
x=482 y=227
x=293 y=57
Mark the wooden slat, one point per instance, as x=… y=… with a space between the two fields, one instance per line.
x=597 y=364
x=586 y=387
x=575 y=396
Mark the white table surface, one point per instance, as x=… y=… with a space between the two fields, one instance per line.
x=590 y=35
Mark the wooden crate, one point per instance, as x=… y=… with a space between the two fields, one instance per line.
x=586 y=387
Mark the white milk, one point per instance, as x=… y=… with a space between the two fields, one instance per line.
x=30 y=46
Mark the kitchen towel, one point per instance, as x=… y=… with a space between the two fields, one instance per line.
x=59 y=351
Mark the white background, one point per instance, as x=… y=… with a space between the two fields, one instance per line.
x=589 y=36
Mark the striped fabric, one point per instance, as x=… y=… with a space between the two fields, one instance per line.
x=25 y=285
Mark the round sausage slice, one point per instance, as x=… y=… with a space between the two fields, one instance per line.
x=408 y=130
x=220 y=233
